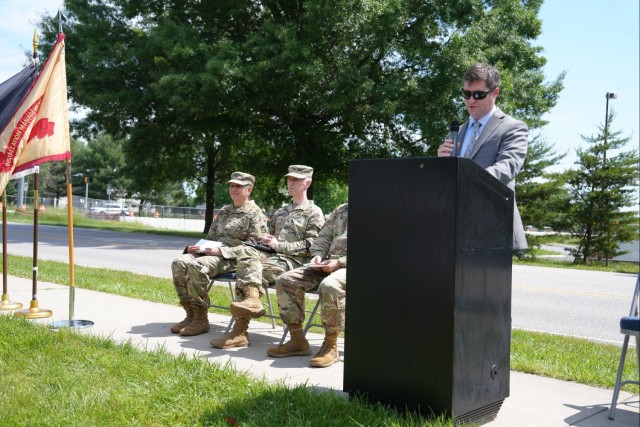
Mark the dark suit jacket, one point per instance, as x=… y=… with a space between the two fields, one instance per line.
x=500 y=150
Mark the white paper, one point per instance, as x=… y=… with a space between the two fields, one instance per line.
x=203 y=244
x=313 y=265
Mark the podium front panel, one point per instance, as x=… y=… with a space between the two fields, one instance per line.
x=428 y=317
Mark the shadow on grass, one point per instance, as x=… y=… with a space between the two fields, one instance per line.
x=329 y=408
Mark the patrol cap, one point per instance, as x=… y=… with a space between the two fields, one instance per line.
x=300 y=171
x=242 y=178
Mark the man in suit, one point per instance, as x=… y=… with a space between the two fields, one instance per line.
x=491 y=138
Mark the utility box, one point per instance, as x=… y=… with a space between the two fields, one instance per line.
x=428 y=319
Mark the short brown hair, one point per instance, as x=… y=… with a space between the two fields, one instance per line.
x=486 y=72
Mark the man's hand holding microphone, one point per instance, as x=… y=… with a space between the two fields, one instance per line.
x=451 y=146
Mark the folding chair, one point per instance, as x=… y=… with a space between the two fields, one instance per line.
x=629 y=325
x=230 y=280
x=310 y=319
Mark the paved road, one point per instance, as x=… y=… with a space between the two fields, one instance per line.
x=585 y=304
x=137 y=252
x=579 y=303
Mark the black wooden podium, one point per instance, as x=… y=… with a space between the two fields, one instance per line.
x=428 y=319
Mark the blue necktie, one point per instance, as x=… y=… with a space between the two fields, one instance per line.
x=474 y=138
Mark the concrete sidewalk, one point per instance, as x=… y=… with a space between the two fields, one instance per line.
x=533 y=400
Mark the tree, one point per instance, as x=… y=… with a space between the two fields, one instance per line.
x=541 y=196
x=603 y=187
x=336 y=194
x=53 y=175
x=102 y=161
x=202 y=88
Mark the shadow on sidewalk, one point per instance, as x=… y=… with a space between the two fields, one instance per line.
x=261 y=337
x=598 y=415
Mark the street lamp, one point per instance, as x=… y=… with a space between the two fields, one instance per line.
x=609 y=95
x=86 y=198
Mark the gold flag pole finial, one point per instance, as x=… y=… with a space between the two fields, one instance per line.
x=35 y=44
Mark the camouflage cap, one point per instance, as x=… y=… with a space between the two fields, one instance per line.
x=242 y=178
x=300 y=171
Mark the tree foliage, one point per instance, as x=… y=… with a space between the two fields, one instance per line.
x=541 y=196
x=603 y=188
x=102 y=161
x=53 y=175
x=200 y=89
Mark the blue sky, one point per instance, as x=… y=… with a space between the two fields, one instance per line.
x=594 y=41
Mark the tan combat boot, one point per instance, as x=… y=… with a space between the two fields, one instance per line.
x=187 y=307
x=237 y=337
x=199 y=324
x=328 y=353
x=297 y=346
x=250 y=306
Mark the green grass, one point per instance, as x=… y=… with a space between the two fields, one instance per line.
x=80 y=220
x=571 y=359
x=139 y=286
x=64 y=378
x=50 y=378
x=549 y=355
x=540 y=252
x=613 y=267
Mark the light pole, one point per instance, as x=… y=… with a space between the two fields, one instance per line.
x=86 y=198
x=609 y=95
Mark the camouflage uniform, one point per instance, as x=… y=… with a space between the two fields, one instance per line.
x=295 y=228
x=192 y=273
x=292 y=285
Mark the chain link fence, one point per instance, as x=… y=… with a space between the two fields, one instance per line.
x=100 y=206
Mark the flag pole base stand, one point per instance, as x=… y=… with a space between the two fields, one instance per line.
x=34 y=312
x=76 y=324
x=6 y=304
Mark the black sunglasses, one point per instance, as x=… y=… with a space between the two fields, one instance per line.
x=477 y=94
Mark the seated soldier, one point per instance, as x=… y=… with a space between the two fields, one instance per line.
x=327 y=271
x=292 y=230
x=192 y=271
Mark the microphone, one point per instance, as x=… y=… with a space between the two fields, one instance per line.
x=453 y=135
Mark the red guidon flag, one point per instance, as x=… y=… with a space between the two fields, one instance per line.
x=38 y=131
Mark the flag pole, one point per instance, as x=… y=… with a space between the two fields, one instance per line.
x=5 y=302
x=35 y=312
x=71 y=323
x=72 y=287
